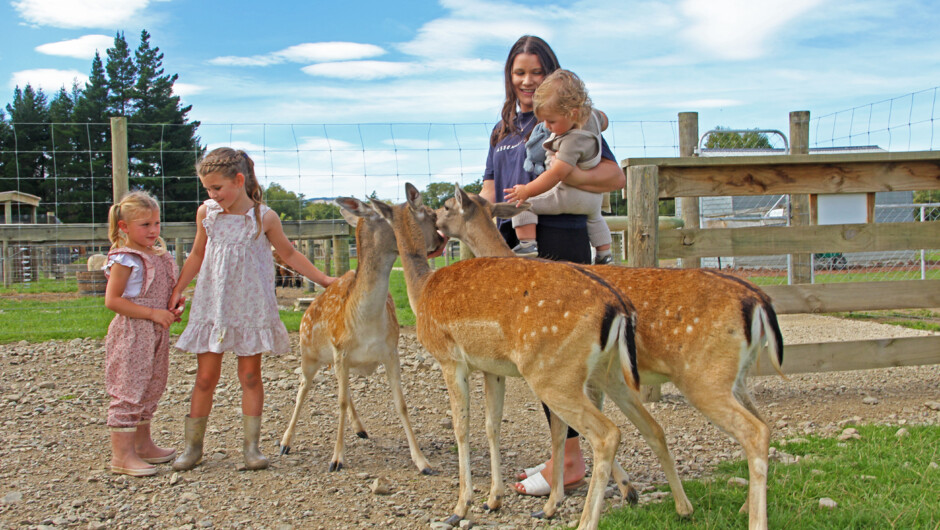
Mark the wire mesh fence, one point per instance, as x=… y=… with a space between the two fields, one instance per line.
x=66 y=169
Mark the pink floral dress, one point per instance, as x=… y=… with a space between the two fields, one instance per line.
x=234 y=308
x=137 y=349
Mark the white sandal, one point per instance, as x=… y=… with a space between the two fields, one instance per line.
x=530 y=471
x=535 y=485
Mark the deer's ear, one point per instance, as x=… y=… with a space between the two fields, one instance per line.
x=382 y=209
x=353 y=209
x=462 y=198
x=413 y=195
x=505 y=210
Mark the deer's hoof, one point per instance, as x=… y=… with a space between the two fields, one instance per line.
x=453 y=520
x=285 y=449
x=632 y=496
x=336 y=466
x=539 y=514
x=363 y=434
x=428 y=471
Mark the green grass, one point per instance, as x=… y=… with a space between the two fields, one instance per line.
x=879 y=481
x=908 y=318
x=44 y=285
x=84 y=317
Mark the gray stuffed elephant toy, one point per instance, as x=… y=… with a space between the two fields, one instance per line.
x=534 y=152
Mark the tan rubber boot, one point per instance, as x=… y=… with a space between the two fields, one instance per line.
x=253 y=457
x=195 y=432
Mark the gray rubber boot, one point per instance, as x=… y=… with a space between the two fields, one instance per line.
x=253 y=457
x=195 y=433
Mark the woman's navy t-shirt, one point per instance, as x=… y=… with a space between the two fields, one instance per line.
x=504 y=167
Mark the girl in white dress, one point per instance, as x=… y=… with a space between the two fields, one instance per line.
x=234 y=308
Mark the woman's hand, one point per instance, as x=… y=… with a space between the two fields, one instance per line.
x=517 y=193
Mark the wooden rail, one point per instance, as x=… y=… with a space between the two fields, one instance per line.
x=801 y=176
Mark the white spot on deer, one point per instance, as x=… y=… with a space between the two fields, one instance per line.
x=688 y=329
x=525 y=309
x=695 y=320
x=675 y=331
x=667 y=312
x=646 y=304
x=555 y=330
x=567 y=313
x=586 y=292
x=544 y=329
x=541 y=303
x=532 y=334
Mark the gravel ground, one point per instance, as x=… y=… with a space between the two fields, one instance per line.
x=54 y=444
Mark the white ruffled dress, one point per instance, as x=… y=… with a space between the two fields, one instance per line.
x=234 y=308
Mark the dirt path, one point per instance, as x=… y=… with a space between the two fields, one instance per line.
x=54 y=449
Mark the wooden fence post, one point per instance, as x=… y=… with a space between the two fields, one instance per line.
x=643 y=221
x=341 y=254
x=688 y=141
x=800 y=214
x=642 y=231
x=119 y=184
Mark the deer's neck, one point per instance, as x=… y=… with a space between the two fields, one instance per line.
x=485 y=240
x=414 y=260
x=370 y=285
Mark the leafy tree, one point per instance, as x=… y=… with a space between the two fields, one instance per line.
x=287 y=204
x=736 y=140
x=321 y=211
x=438 y=192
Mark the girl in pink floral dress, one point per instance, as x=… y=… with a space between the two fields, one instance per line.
x=141 y=274
x=234 y=308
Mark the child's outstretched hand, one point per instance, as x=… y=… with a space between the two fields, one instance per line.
x=163 y=317
x=517 y=193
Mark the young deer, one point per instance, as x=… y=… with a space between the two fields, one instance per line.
x=700 y=329
x=561 y=328
x=352 y=325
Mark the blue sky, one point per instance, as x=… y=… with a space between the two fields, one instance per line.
x=739 y=63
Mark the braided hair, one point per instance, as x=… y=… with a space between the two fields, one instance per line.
x=229 y=163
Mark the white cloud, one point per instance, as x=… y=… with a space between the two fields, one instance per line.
x=187 y=89
x=81 y=48
x=308 y=52
x=48 y=79
x=703 y=104
x=254 y=60
x=318 y=52
x=80 y=13
x=471 y=24
x=737 y=29
x=363 y=70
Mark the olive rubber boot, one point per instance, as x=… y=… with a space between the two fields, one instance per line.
x=195 y=432
x=253 y=458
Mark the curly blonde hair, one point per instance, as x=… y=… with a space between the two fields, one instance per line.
x=563 y=92
x=134 y=205
x=229 y=163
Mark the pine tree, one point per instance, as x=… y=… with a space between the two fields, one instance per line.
x=163 y=142
x=122 y=76
x=86 y=197
x=29 y=117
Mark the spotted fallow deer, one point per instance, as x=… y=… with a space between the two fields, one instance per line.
x=700 y=329
x=352 y=325
x=560 y=327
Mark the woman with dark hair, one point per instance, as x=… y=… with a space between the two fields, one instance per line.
x=559 y=237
